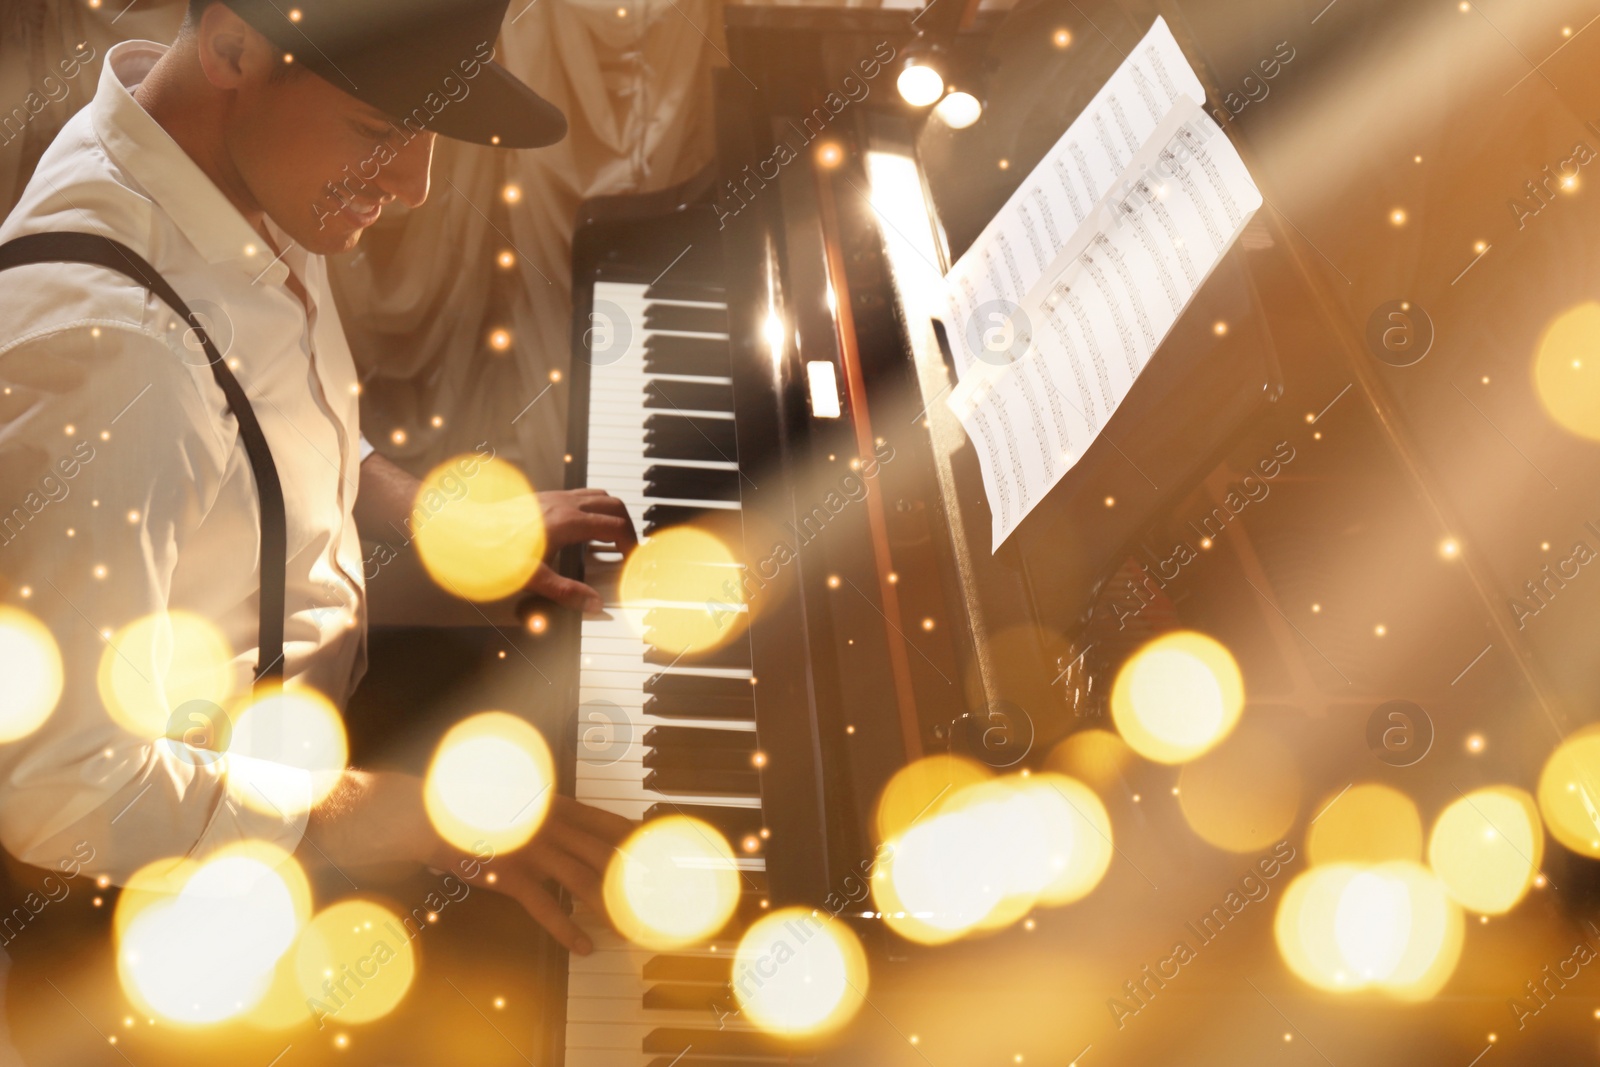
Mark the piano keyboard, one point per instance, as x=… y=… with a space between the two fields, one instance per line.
x=660 y=733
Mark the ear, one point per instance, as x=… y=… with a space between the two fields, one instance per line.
x=231 y=52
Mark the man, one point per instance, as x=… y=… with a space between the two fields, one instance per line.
x=227 y=161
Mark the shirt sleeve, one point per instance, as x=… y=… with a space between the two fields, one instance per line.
x=366 y=448
x=109 y=458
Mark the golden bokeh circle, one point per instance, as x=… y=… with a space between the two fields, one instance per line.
x=478 y=527
x=1177 y=696
x=490 y=783
x=673 y=883
x=797 y=973
x=1244 y=794
x=30 y=662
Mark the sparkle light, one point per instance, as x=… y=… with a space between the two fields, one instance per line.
x=30 y=663
x=673 y=883
x=1061 y=38
x=1177 y=697
x=1397 y=217
x=917 y=789
x=489 y=783
x=796 y=974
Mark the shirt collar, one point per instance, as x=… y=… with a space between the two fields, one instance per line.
x=174 y=181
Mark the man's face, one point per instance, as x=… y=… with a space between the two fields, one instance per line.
x=321 y=163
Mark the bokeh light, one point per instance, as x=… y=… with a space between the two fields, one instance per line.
x=796 y=973
x=284 y=741
x=1099 y=758
x=1367 y=823
x=199 y=942
x=160 y=662
x=1177 y=697
x=1346 y=927
x=30 y=662
x=1566 y=370
x=989 y=854
x=1487 y=847
x=1569 y=792
x=490 y=783
x=673 y=883
x=1244 y=794
x=682 y=590
x=917 y=789
x=354 y=962
x=920 y=85
x=479 y=534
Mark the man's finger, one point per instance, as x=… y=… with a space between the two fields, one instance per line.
x=610 y=505
x=547 y=912
x=581 y=880
x=564 y=591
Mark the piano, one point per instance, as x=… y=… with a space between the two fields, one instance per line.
x=743 y=361
x=753 y=354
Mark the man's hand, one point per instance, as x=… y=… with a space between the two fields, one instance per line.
x=379 y=818
x=578 y=516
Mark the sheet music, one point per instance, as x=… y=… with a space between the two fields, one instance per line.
x=1027 y=235
x=1047 y=370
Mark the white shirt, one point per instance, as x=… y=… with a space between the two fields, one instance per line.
x=160 y=512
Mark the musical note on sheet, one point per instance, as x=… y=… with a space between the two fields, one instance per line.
x=1070 y=289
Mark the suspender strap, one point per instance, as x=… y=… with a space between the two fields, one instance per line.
x=104 y=252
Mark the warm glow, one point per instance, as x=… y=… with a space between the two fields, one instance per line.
x=681 y=590
x=1366 y=824
x=918 y=789
x=1569 y=792
x=480 y=535
x=1177 y=697
x=1077 y=827
x=156 y=664
x=941 y=880
x=354 y=962
x=1487 y=847
x=796 y=973
x=1567 y=383
x=1244 y=794
x=1343 y=928
x=1098 y=757
x=959 y=110
x=30 y=663
x=829 y=154
x=920 y=85
x=673 y=883
x=287 y=752
x=244 y=905
x=490 y=783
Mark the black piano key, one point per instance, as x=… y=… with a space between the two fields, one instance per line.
x=680 y=781
x=666 y=429
x=735 y=824
x=665 y=481
x=695 y=447
x=699 y=737
x=688 y=969
x=687 y=396
x=676 y=288
x=688 y=319
x=691 y=759
x=672 y=1040
x=687 y=355
x=697 y=686
x=700 y=708
x=722 y=523
x=687 y=996
x=736 y=654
